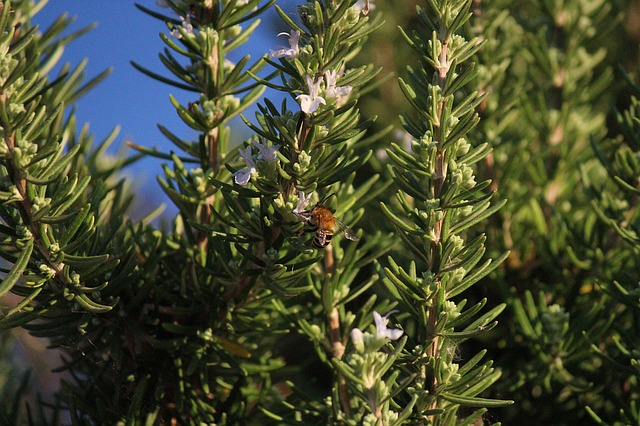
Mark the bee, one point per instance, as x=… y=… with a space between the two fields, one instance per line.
x=324 y=223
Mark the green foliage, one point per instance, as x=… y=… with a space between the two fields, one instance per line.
x=550 y=79
x=326 y=270
x=615 y=205
x=439 y=200
x=49 y=208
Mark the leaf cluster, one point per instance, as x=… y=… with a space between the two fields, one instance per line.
x=437 y=202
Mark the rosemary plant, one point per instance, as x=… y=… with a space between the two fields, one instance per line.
x=438 y=200
x=615 y=202
x=314 y=273
x=549 y=105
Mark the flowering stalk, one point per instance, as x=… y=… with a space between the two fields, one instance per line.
x=318 y=154
x=368 y=369
x=46 y=210
x=445 y=201
x=206 y=37
x=191 y=298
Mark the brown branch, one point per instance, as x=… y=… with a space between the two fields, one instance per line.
x=26 y=209
x=335 y=336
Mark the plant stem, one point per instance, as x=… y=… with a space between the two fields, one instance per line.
x=440 y=174
x=335 y=336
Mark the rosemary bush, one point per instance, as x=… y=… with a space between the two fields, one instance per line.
x=347 y=263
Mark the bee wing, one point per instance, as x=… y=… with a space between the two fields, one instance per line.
x=349 y=233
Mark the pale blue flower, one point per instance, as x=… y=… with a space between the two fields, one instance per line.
x=266 y=153
x=311 y=102
x=293 y=49
x=332 y=91
x=186 y=26
x=303 y=201
x=367 y=342
x=242 y=176
x=382 y=332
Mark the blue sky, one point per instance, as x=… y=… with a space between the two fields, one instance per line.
x=127 y=97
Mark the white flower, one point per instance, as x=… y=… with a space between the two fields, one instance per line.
x=267 y=153
x=382 y=332
x=293 y=49
x=333 y=91
x=186 y=26
x=242 y=176
x=310 y=103
x=367 y=342
x=302 y=202
x=364 y=6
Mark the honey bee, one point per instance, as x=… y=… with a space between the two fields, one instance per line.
x=324 y=223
